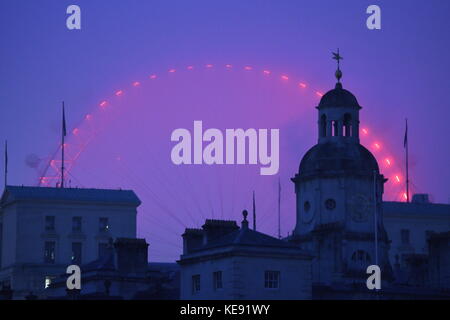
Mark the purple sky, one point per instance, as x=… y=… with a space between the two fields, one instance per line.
x=400 y=71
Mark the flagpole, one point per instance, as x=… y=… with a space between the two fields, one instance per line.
x=254 y=212
x=375 y=215
x=407 y=162
x=63 y=133
x=6 y=163
x=279 y=209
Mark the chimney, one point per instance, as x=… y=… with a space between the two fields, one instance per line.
x=192 y=239
x=420 y=198
x=131 y=255
x=214 y=229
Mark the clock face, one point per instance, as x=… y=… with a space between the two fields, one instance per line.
x=362 y=208
x=330 y=204
x=307 y=212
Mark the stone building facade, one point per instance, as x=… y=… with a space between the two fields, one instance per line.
x=223 y=261
x=44 y=230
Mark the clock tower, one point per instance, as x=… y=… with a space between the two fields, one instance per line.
x=339 y=191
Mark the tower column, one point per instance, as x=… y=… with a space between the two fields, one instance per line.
x=355 y=129
x=329 y=128
x=340 y=126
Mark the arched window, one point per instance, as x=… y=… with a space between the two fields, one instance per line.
x=347 y=125
x=335 y=128
x=323 y=126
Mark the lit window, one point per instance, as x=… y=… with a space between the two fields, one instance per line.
x=103 y=224
x=76 y=224
x=50 y=223
x=49 y=252
x=272 y=279
x=217 y=280
x=48 y=281
x=195 y=283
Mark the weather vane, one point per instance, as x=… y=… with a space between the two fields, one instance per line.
x=338 y=58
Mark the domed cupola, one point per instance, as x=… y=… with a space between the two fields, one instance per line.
x=339 y=97
x=336 y=158
x=338 y=150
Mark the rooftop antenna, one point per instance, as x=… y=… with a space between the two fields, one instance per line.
x=279 y=209
x=254 y=212
x=64 y=133
x=6 y=163
x=405 y=145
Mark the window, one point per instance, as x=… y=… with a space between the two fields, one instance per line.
x=360 y=260
x=347 y=125
x=335 y=128
x=103 y=224
x=76 y=224
x=323 y=126
x=49 y=252
x=50 y=223
x=361 y=255
x=405 y=236
x=195 y=283
x=48 y=281
x=217 y=280
x=306 y=206
x=76 y=253
x=272 y=279
x=102 y=250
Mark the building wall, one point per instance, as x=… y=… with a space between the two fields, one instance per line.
x=25 y=234
x=418 y=225
x=9 y=236
x=24 y=238
x=243 y=278
x=439 y=262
